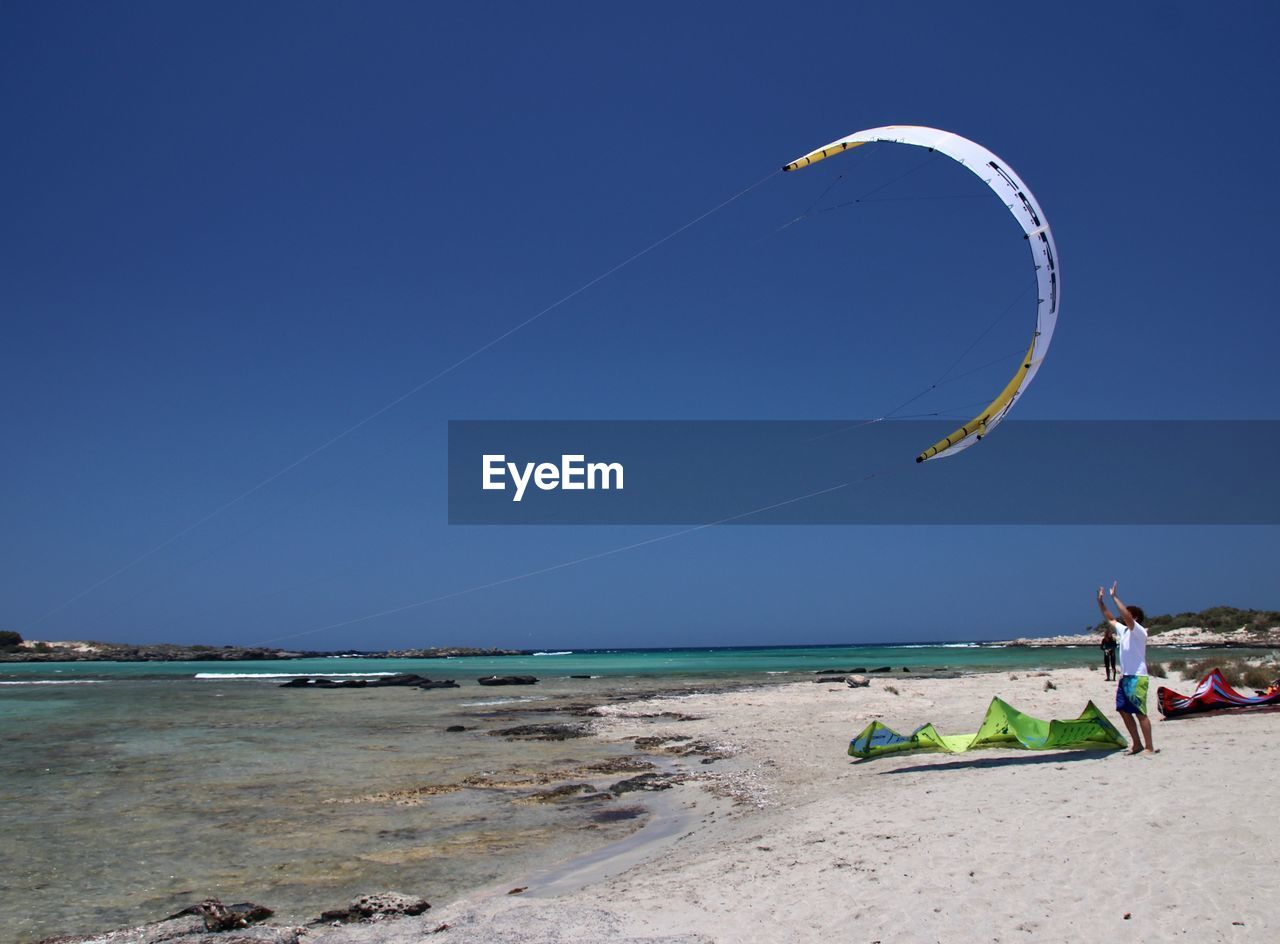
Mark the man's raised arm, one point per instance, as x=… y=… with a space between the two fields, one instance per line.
x=1106 y=614
x=1124 y=610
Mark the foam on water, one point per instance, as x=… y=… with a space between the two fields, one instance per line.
x=288 y=675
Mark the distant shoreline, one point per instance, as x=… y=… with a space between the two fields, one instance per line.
x=80 y=651
x=85 y=651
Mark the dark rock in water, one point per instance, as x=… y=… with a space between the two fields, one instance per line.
x=507 y=680
x=543 y=732
x=830 y=678
x=405 y=678
x=569 y=791
x=220 y=917
x=648 y=743
x=650 y=782
x=837 y=671
x=402 y=680
x=454 y=729
x=209 y=922
x=883 y=668
x=905 y=669
x=619 y=765
x=215 y=916
x=377 y=907
x=580 y=676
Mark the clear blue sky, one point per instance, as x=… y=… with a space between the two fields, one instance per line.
x=231 y=231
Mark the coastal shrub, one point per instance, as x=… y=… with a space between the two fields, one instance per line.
x=1155 y=668
x=1178 y=665
x=891 y=690
x=9 y=639
x=1258 y=676
x=1237 y=670
x=1219 y=619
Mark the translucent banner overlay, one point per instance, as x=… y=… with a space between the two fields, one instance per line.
x=854 y=472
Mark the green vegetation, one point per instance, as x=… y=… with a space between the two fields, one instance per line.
x=1221 y=619
x=1238 y=671
x=9 y=639
x=1158 y=670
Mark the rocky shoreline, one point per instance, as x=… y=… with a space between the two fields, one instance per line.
x=1191 y=636
x=212 y=922
x=85 y=651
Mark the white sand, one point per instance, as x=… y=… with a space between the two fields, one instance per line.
x=997 y=845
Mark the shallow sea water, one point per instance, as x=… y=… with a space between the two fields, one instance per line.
x=128 y=800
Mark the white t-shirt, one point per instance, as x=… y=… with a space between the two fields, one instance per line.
x=1133 y=648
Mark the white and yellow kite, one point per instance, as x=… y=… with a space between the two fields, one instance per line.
x=997 y=175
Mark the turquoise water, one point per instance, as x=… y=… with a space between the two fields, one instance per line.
x=747 y=663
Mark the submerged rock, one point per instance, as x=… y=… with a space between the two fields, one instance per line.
x=569 y=791
x=507 y=680
x=648 y=743
x=649 y=782
x=543 y=732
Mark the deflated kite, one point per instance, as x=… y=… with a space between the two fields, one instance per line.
x=1003 y=726
x=1212 y=694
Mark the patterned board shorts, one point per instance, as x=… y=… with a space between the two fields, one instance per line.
x=1131 y=694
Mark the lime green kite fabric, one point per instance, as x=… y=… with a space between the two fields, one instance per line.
x=1003 y=726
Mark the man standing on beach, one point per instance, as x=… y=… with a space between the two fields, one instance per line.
x=1131 y=692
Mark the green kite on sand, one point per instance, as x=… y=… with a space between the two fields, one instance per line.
x=1004 y=726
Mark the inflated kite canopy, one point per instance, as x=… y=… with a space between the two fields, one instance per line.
x=1213 y=693
x=997 y=175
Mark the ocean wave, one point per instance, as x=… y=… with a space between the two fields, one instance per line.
x=566 y=652
x=288 y=675
x=57 y=682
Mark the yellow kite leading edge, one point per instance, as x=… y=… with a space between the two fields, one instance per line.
x=997 y=175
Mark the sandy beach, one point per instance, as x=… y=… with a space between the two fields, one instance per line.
x=791 y=840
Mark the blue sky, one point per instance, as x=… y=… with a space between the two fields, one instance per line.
x=232 y=232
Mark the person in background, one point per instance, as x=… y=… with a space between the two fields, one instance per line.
x=1131 y=691
x=1109 y=651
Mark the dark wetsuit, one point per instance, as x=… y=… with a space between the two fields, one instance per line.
x=1109 y=655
